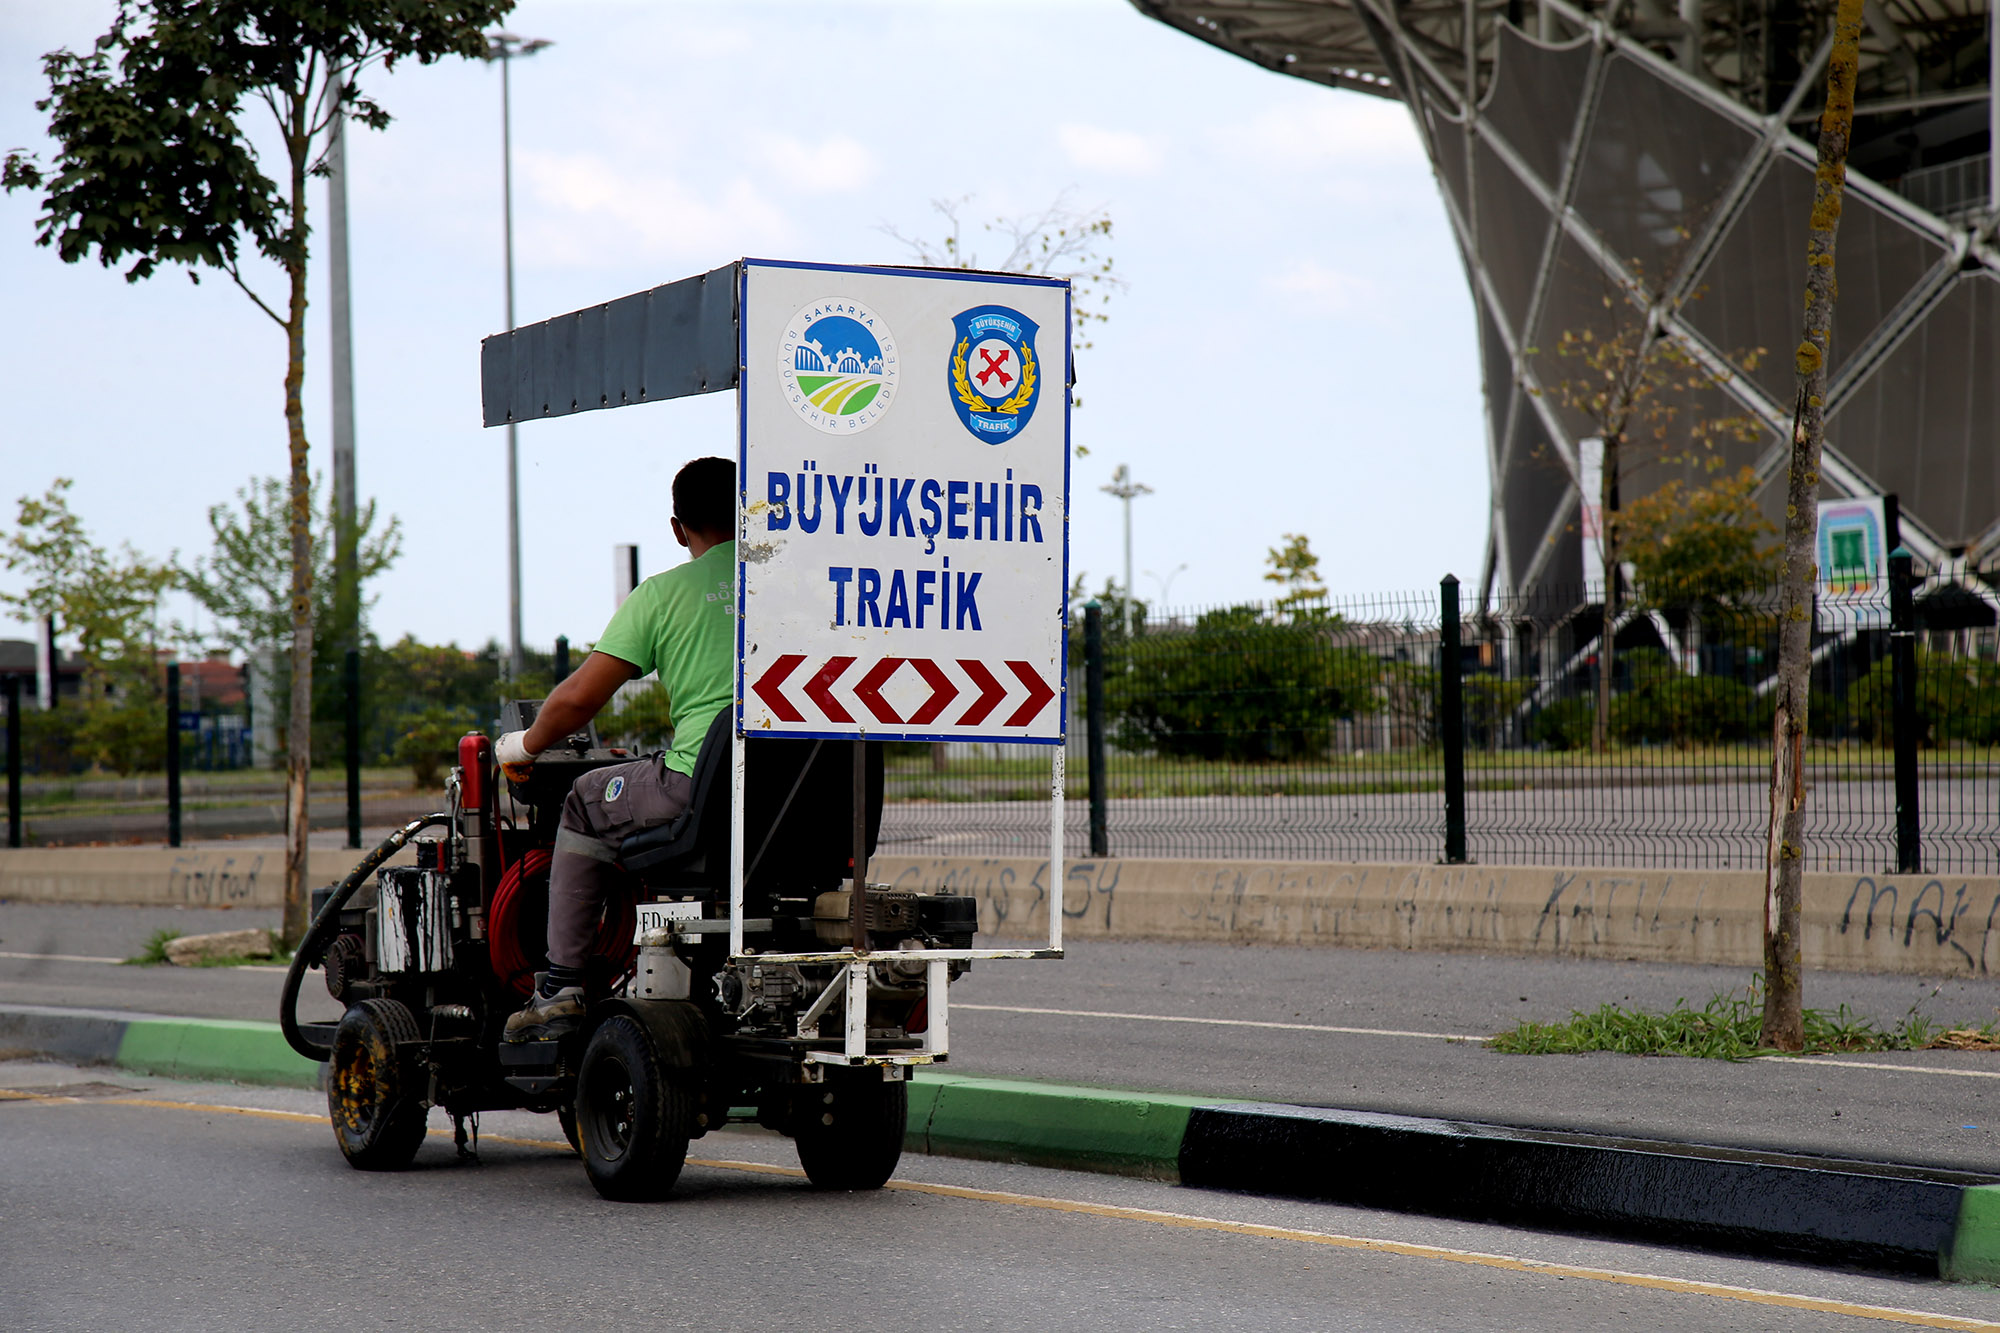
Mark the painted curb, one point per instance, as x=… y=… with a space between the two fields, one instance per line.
x=1049 y=1124
x=1871 y=1214
x=1822 y=1209
x=1974 y=1252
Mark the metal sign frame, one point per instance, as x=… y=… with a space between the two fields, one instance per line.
x=858 y=960
x=690 y=337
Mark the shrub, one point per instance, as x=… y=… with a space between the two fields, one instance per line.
x=1239 y=686
x=429 y=742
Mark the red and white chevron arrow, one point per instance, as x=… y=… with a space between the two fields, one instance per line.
x=825 y=689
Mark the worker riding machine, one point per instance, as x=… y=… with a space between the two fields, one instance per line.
x=750 y=972
x=682 y=1037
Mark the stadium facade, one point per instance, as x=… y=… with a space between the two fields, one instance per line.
x=1652 y=160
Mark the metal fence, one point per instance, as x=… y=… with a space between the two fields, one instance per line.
x=1327 y=731
x=1392 y=728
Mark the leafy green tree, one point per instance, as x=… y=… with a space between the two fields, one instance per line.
x=1294 y=568
x=1699 y=547
x=1240 y=685
x=1634 y=384
x=244 y=585
x=641 y=717
x=155 y=165
x=110 y=603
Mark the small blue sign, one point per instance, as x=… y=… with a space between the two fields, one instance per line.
x=190 y=719
x=995 y=377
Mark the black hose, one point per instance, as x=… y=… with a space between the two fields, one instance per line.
x=312 y=948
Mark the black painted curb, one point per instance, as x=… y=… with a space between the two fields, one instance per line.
x=1822 y=1209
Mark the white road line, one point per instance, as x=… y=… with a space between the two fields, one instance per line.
x=1864 y=1064
x=61 y=957
x=1430 y=1036
x=1219 y=1022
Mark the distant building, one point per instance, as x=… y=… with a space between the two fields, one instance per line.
x=1661 y=156
x=17 y=659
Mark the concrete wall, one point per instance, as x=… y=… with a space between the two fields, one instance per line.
x=162 y=877
x=1927 y=925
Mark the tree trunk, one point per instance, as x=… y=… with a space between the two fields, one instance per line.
x=1784 y=864
x=298 y=730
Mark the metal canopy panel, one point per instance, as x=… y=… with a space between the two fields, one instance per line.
x=670 y=342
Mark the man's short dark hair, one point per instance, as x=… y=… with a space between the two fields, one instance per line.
x=705 y=497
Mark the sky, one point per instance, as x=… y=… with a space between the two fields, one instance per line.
x=1294 y=351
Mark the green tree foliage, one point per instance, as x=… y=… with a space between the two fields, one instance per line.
x=155 y=164
x=640 y=717
x=244 y=586
x=1294 y=568
x=109 y=603
x=1241 y=685
x=1700 y=546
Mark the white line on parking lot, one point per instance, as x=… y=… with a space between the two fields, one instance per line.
x=1218 y=1022
x=1872 y=1064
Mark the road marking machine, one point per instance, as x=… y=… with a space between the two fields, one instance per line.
x=902 y=575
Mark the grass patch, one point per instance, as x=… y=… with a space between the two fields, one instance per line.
x=155 y=952
x=1727 y=1028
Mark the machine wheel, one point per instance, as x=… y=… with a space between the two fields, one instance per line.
x=374 y=1090
x=850 y=1128
x=635 y=1110
x=566 y=1117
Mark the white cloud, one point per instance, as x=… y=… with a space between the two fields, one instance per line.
x=1325 y=290
x=1347 y=131
x=586 y=209
x=1121 y=152
x=832 y=166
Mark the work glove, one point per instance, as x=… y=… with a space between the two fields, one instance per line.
x=516 y=760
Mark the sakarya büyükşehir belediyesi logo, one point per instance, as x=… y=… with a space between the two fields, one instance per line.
x=995 y=377
x=837 y=363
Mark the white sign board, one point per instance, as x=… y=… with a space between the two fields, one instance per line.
x=904 y=462
x=1852 y=548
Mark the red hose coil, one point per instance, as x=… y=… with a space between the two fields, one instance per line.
x=613 y=942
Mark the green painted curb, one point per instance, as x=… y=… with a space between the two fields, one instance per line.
x=1049 y=1124
x=215 y=1048
x=1974 y=1252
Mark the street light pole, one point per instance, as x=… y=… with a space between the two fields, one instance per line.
x=1125 y=489
x=503 y=47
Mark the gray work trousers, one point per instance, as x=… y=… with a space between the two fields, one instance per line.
x=604 y=808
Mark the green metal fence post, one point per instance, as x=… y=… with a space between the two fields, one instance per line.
x=1093 y=690
x=173 y=754
x=562 y=658
x=1903 y=695
x=13 y=761
x=351 y=680
x=1451 y=721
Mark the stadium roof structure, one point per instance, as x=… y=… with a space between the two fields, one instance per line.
x=1647 y=163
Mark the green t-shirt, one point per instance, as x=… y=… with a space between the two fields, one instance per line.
x=682 y=624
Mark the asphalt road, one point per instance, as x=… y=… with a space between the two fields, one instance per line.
x=159 y=1206
x=1361 y=1029
x=1850 y=826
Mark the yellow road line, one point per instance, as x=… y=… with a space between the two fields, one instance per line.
x=1191 y=1221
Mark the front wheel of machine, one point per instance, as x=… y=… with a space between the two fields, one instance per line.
x=374 y=1091
x=634 y=1113
x=850 y=1129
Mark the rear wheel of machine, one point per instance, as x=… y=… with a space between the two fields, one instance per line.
x=374 y=1091
x=850 y=1128
x=635 y=1110
x=566 y=1117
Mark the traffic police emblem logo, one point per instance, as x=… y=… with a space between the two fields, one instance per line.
x=995 y=377
x=837 y=365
